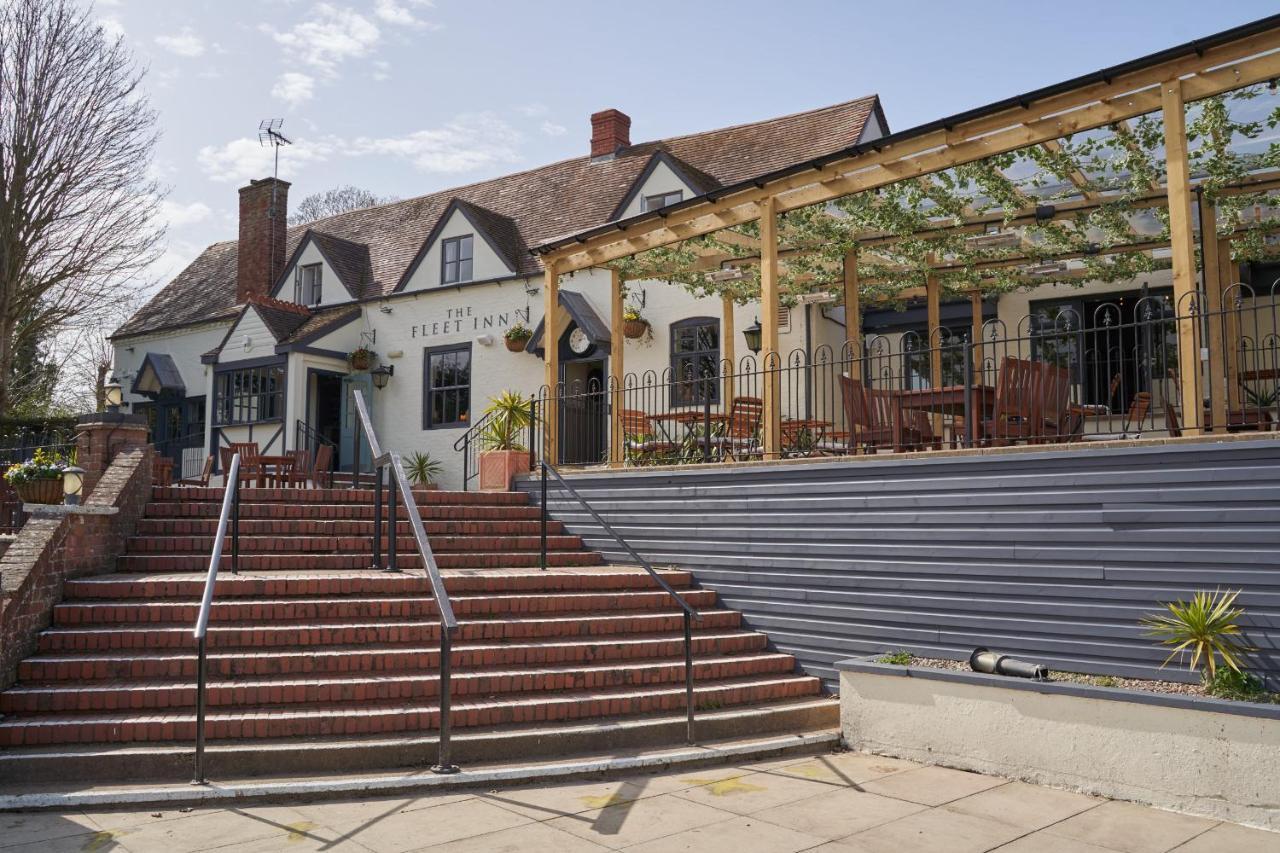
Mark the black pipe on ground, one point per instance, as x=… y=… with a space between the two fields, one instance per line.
x=985 y=660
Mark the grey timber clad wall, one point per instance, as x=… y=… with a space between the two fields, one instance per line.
x=1051 y=555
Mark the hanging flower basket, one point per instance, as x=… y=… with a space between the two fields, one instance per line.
x=361 y=359
x=41 y=491
x=635 y=328
x=517 y=337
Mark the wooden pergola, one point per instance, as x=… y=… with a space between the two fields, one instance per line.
x=1165 y=83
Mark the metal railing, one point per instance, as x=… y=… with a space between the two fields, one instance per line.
x=306 y=437
x=398 y=482
x=469 y=445
x=230 y=514
x=687 y=611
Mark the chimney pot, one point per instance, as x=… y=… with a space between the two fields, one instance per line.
x=610 y=131
x=263 y=233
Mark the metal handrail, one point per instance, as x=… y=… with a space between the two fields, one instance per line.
x=688 y=612
x=230 y=513
x=398 y=481
x=466 y=444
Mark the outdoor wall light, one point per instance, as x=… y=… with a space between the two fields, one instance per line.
x=72 y=485
x=113 y=395
x=382 y=375
x=752 y=335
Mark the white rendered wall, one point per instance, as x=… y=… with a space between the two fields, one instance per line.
x=485 y=264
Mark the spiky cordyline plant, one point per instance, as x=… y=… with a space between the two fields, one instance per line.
x=1205 y=626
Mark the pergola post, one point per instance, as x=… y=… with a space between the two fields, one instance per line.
x=1182 y=244
x=852 y=313
x=1213 y=308
x=617 y=367
x=1231 y=353
x=975 y=334
x=769 y=359
x=933 y=294
x=730 y=350
x=551 y=361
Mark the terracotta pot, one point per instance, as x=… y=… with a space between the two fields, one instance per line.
x=498 y=467
x=361 y=362
x=517 y=344
x=44 y=491
x=635 y=328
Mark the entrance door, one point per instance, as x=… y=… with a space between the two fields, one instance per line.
x=349 y=418
x=177 y=430
x=584 y=414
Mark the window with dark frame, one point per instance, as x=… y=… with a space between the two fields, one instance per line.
x=308 y=285
x=446 y=393
x=653 y=202
x=455 y=259
x=249 y=395
x=695 y=361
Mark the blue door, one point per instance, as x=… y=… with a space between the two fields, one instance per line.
x=350 y=419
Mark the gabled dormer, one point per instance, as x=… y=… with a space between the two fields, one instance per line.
x=468 y=243
x=665 y=180
x=324 y=270
x=263 y=323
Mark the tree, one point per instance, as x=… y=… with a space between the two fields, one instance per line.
x=78 y=209
x=334 y=201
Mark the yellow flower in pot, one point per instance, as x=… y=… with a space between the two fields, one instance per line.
x=633 y=324
x=502 y=452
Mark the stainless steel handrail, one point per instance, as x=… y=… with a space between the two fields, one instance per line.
x=398 y=482
x=689 y=613
x=230 y=513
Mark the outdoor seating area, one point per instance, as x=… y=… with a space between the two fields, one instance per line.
x=292 y=469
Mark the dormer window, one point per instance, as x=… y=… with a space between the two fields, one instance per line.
x=307 y=284
x=455 y=259
x=653 y=202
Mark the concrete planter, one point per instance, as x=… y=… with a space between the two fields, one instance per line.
x=499 y=467
x=1209 y=757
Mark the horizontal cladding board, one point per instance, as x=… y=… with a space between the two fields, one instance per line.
x=1049 y=554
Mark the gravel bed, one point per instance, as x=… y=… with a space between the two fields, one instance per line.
x=1149 y=685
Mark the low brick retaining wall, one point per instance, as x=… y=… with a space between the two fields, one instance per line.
x=59 y=543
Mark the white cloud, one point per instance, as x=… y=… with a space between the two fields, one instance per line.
x=550 y=128
x=177 y=215
x=330 y=37
x=111 y=27
x=185 y=42
x=468 y=142
x=533 y=110
x=398 y=12
x=294 y=87
x=241 y=159
x=381 y=70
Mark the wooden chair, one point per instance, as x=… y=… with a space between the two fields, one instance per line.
x=1171 y=419
x=205 y=474
x=741 y=436
x=1013 y=414
x=248 y=451
x=301 y=471
x=641 y=440
x=322 y=469
x=162 y=471
x=1054 y=402
x=868 y=429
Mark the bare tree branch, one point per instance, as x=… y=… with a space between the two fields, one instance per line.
x=334 y=201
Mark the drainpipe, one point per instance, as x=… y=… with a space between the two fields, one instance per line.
x=985 y=660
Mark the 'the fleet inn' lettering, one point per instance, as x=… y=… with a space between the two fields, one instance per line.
x=465 y=320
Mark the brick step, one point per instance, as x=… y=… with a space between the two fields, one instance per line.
x=363 y=688
x=294 y=544
x=344 y=512
x=398 y=716
x=191 y=584
x=251 y=494
x=309 y=527
x=336 y=562
x=46 y=668
x=310 y=635
x=283 y=610
x=410 y=752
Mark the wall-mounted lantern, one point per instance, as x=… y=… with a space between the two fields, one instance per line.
x=113 y=395
x=382 y=375
x=752 y=335
x=72 y=485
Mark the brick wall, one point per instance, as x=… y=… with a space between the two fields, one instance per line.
x=67 y=543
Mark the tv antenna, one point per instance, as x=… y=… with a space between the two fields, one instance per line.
x=269 y=134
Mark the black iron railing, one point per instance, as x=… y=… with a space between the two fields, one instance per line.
x=1119 y=369
x=398 y=484
x=547 y=470
x=305 y=437
x=469 y=444
x=229 y=515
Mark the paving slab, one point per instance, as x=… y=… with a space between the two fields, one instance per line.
x=530 y=838
x=1027 y=807
x=1042 y=842
x=848 y=769
x=749 y=794
x=836 y=814
x=737 y=835
x=933 y=831
x=932 y=786
x=1232 y=837
x=633 y=823
x=1131 y=828
x=401 y=831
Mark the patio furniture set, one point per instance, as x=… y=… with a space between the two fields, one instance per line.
x=292 y=469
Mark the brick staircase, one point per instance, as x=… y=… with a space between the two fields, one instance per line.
x=317 y=662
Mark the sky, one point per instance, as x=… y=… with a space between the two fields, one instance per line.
x=406 y=97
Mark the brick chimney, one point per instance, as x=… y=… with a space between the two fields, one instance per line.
x=610 y=130
x=260 y=254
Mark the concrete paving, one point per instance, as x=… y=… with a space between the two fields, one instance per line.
x=835 y=803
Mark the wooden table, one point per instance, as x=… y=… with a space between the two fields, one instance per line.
x=274 y=470
x=975 y=403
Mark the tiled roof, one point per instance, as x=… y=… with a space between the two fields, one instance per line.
x=322 y=322
x=539 y=205
x=282 y=319
x=350 y=261
x=501 y=230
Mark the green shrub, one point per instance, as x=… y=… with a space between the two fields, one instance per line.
x=422 y=469
x=898 y=658
x=1205 y=626
x=1232 y=684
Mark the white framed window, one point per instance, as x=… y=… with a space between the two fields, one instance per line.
x=308 y=284
x=653 y=202
x=455 y=259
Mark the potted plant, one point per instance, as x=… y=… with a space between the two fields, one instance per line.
x=39 y=479
x=517 y=336
x=502 y=455
x=422 y=469
x=362 y=358
x=633 y=324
